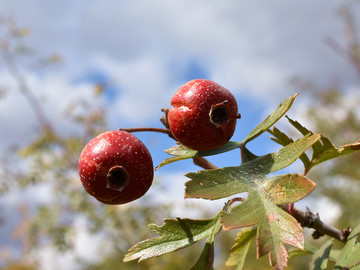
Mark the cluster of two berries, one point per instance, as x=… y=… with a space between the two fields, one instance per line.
x=116 y=167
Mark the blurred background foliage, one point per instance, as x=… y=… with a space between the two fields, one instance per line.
x=51 y=161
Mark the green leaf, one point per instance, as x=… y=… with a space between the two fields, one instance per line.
x=275 y=227
x=282 y=139
x=350 y=254
x=288 y=154
x=321 y=256
x=323 y=149
x=239 y=251
x=174 y=234
x=271 y=119
x=329 y=151
x=224 y=182
x=181 y=152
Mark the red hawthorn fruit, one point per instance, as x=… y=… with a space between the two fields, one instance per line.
x=116 y=168
x=204 y=115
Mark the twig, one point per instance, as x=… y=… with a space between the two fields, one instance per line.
x=140 y=129
x=204 y=163
x=23 y=87
x=312 y=220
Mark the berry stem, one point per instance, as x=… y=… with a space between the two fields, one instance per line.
x=140 y=129
x=204 y=163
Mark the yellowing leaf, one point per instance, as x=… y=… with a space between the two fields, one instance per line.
x=275 y=227
x=288 y=188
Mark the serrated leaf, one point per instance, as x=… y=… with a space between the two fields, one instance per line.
x=350 y=255
x=181 y=152
x=330 y=151
x=224 y=182
x=239 y=251
x=282 y=139
x=317 y=147
x=174 y=234
x=275 y=227
x=271 y=119
x=321 y=256
x=288 y=154
x=323 y=149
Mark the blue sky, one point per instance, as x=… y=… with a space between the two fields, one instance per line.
x=145 y=50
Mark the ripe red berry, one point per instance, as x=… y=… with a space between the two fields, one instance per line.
x=204 y=115
x=116 y=168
